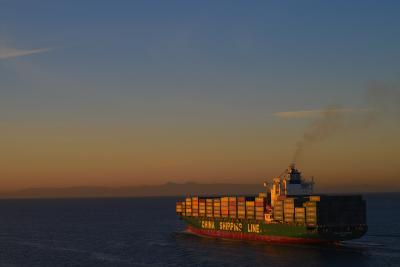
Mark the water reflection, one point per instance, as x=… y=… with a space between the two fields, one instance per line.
x=244 y=253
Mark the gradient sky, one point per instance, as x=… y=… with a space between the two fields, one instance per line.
x=143 y=92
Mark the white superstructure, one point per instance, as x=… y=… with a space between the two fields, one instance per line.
x=290 y=183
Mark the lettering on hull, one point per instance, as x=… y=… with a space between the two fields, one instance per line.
x=231 y=226
x=208 y=225
x=253 y=228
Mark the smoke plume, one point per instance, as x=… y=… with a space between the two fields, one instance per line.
x=382 y=102
x=328 y=123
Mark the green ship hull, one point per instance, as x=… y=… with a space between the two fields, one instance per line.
x=271 y=232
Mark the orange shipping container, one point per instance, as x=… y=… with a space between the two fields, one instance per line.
x=217 y=208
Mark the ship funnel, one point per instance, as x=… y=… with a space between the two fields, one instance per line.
x=292 y=168
x=293 y=175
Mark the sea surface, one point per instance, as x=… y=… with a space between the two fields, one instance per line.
x=146 y=232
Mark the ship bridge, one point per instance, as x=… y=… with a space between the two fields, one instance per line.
x=291 y=182
x=294 y=184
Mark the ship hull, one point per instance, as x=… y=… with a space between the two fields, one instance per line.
x=254 y=237
x=260 y=231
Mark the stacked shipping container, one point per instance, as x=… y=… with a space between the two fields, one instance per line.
x=299 y=210
x=209 y=208
x=224 y=207
x=241 y=207
x=278 y=210
x=188 y=206
x=195 y=206
x=288 y=210
x=341 y=210
x=302 y=210
x=299 y=215
x=217 y=207
x=178 y=207
x=260 y=208
x=202 y=207
x=250 y=209
x=294 y=210
x=311 y=213
x=183 y=208
x=232 y=207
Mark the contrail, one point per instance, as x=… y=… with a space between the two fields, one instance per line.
x=7 y=52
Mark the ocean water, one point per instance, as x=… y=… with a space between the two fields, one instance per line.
x=146 y=232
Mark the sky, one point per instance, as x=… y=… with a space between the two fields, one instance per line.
x=116 y=93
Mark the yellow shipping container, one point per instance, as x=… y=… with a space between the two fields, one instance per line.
x=315 y=198
x=310 y=204
x=250 y=203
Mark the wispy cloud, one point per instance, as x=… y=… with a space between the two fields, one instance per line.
x=10 y=52
x=315 y=113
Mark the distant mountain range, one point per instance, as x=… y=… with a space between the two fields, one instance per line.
x=167 y=189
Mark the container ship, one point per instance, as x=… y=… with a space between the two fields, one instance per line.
x=287 y=212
